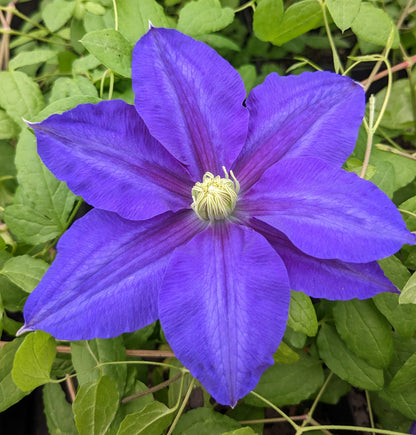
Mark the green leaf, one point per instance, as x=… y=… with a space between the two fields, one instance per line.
x=249 y=76
x=99 y=22
x=408 y=295
x=7 y=155
x=58 y=411
x=409 y=205
x=57 y=13
x=13 y=297
x=65 y=104
x=405 y=378
x=248 y=412
x=385 y=178
x=373 y=25
x=94 y=8
x=399 y=112
x=401 y=317
x=25 y=271
x=8 y=128
x=365 y=331
x=31 y=57
x=66 y=87
x=218 y=42
x=134 y=17
x=403 y=401
x=387 y=416
x=404 y=168
x=20 y=96
x=294 y=338
x=10 y=393
x=204 y=421
x=266 y=19
x=395 y=271
x=86 y=355
x=111 y=48
x=131 y=407
x=288 y=384
x=33 y=361
x=335 y=389
x=11 y=326
x=285 y=355
x=29 y=224
x=41 y=211
x=345 y=363
x=175 y=387
x=95 y=406
x=153 y=419
x=302 y=316
x=343 y=12
x=84 y=64
x=204 y=16
x=354 y=165
x=298 y=19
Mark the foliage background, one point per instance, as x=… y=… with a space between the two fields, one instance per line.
x=69 y=52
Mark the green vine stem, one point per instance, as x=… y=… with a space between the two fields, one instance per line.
x=370 y=134
x=115 y=15
x=383 y=147
x=316 y=401
x=351 y=428
x=250 y=4
x=337 y=63
x=12 y=9
x=184 y=402
x=31 y=36
x=370 y=411
x=278 y=410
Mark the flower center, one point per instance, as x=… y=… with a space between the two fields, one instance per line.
x=215 y=198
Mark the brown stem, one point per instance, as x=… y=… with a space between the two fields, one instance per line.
x=383 y=147
x=153 y=389
x=70 y=386
x=399 y=67
x=377 y=66
x=4 y=46
x=129 y=352
x=273 y=420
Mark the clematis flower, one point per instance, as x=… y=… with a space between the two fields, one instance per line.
x=209 y=208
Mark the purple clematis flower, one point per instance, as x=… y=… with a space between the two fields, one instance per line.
x=208 y=210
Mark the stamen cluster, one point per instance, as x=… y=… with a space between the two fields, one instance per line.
x=215 y=198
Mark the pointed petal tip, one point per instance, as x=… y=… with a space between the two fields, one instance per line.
x=30 y=124
x=151 y=26
x=23 y=329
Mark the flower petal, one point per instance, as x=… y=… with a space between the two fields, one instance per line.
x=329 y=279
x=223 y=306
x=327 y=212
x=105 y=154
x=191 y=99
x=107 y=274
x=310 y=115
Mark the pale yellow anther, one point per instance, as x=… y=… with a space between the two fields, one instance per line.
x=215 y=198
